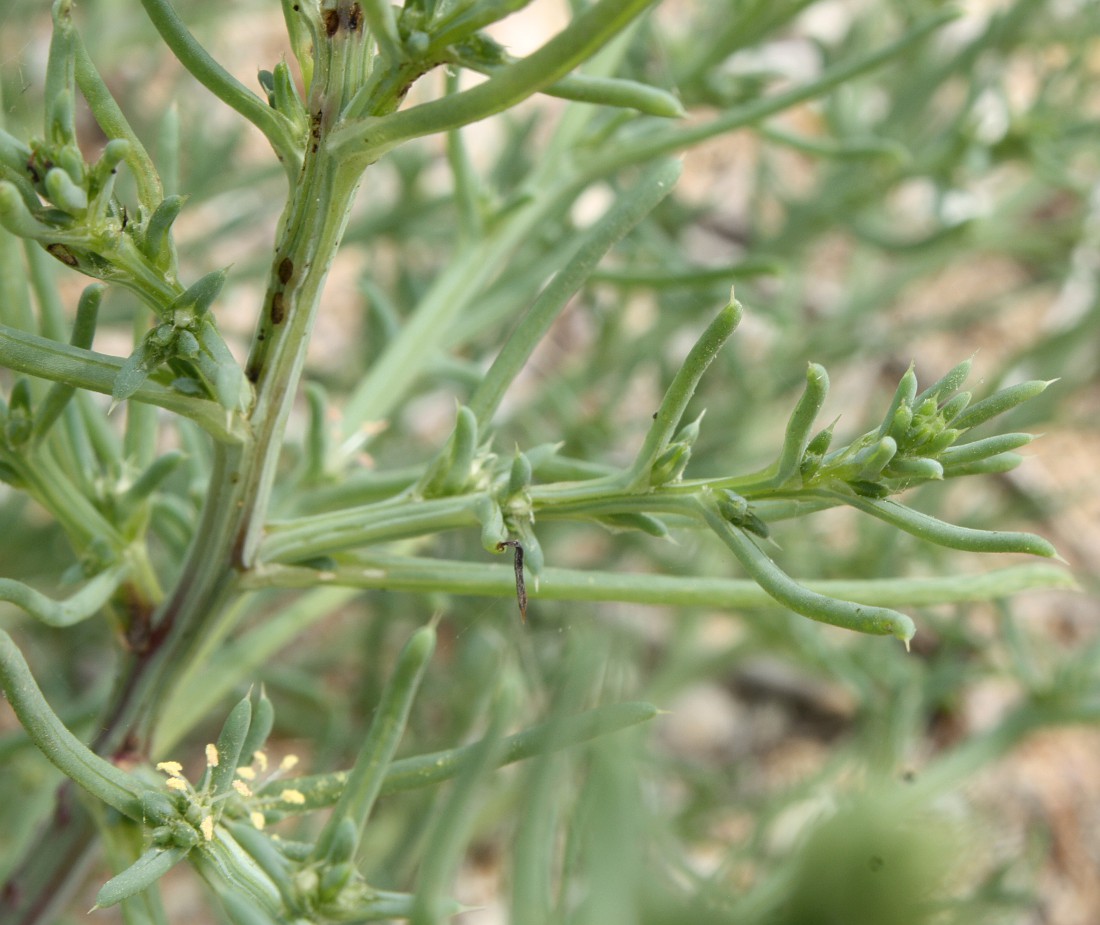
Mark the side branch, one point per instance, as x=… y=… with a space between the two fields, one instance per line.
x=96 y=372
x=368 y=139
x=426 y=575
x=221 y=83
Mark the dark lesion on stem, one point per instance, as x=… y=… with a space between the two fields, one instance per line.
x=62 y=253
x=278 y=308
x=285 y=270
x=139 y=620
x=346 y=16
x=521 y=587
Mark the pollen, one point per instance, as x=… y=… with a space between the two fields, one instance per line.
x=260 y=757
x=242 y=788
x=171 y=768
x=292 y=796
x=258 y=820
x=211 y=755
x=288 y=762
x=176 y=783
x=207 y=827
x=246 y=773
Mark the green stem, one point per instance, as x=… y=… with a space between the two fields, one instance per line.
x=79 y=606
x=243 y=473
x=100 y=778
x=222 y=665
x=680 y=391
x=385 y=385
x=96 y=372
x=55 y=491
x=368 y=139
x=386 y=730
x=651 y=188
x=321 y=790
x=692 y=277
x=383 y=25
x=224 y=85
x=51 y=312
x=429 y=576
x=600 y=91
x=471 y=225
x=864 y=618
x=940 y=532
x=180 y=623
x=665 y=141
x=402 y=516
x=800 y=426
x=15 y=301
x=115 y=125
x=454 y=816
x=549 y=190
x=314 y=226
x=321 y=534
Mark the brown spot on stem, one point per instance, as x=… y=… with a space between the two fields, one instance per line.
x=278 y=308
x=355 y=18
x=139 y=627
x=331 y=21
x=62 y=253
x=236 y=556
x=285 y=270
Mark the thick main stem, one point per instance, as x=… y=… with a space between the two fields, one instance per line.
x=241 y=481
